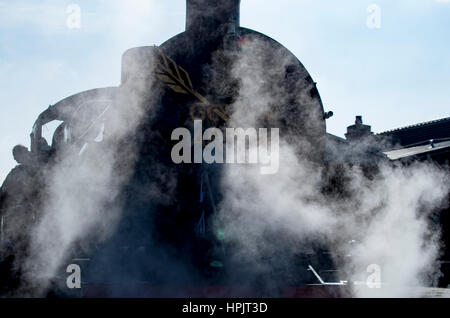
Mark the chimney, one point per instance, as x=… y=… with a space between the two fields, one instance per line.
x=358 y=131
x=210 y=14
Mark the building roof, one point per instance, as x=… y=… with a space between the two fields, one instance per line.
x=417 y=150
x=415 y=126
x=414 y=135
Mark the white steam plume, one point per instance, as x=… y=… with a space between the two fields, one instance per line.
x=82 y=202
x=388 y=216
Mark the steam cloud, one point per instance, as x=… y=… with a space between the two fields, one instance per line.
x=82 y=202
x=388 y=216
x=384 y=220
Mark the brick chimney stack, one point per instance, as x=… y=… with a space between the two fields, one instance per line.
x=358 y=131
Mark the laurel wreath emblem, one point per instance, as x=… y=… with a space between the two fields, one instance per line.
x=179 y=81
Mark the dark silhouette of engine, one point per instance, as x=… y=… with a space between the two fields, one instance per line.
x=166 y=238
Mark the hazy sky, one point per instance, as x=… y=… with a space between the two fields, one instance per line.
x=394 y=75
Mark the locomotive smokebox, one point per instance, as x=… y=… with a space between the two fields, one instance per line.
x=210 y=57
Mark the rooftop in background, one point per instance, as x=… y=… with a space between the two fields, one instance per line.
x=424 y=150
x=427 y=123
x=414 y=135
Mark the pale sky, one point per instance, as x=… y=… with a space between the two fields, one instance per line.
x=395 y=75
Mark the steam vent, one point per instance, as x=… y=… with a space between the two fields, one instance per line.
x=130 y=190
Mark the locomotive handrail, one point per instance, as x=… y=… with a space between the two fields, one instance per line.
x=66 y=110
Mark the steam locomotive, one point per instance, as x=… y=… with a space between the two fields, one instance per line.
x=165 y=236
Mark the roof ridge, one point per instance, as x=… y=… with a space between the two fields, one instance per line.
x=415 y=125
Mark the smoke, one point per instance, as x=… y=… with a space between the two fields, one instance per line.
x=82 y=200
x=382 y=218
